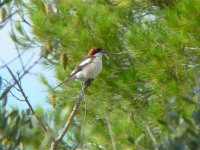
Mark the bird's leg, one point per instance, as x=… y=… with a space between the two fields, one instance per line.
x=87 y=84
x=82 y=88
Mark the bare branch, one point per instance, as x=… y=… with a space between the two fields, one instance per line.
x=152 y=137
x=111 y=133
x=20 y=58
x=17 y=49
x=12 y=85
x=8 y=17
x=192 y=48
x=139 y=139
x=12 y=60
x=26 y=98
x=55 y=141
x=21 y=90
x=16 y=97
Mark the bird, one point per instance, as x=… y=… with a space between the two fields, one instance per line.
x=88 y=68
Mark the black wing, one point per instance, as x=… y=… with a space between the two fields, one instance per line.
x=87 y=60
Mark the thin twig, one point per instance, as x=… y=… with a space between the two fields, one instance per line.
x=12 y=60
x=7 y=83
x=111 y=133
x=30 y=59
x=20 y=58
x=82 y=134
x=12 y=85
x=152 y=137
x=56 y=140
x=26 y=98
x=16 y=47
x=16 y=97
x=196 y=77
x=139 y=139
x=8 y=17
x=192 y=48
x=21 y=90
x=122 y=52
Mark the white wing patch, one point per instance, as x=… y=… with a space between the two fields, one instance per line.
x=73 y=72
x=85 y=62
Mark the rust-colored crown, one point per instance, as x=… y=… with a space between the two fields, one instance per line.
x=93 y=51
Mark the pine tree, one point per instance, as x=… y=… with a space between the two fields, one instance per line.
x=152 y=45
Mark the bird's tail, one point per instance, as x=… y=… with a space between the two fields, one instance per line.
x=66 y=80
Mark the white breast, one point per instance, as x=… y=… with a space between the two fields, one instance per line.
x=91 y=70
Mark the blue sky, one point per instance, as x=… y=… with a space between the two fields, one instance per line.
x=31 y=84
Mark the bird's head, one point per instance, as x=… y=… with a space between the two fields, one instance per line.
x=97 y=52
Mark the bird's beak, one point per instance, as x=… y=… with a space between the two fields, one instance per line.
x=105 y=54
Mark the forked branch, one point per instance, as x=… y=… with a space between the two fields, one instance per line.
x=25 y=97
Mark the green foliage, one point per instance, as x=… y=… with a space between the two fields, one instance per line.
x=183 y=132
x=151 y=69
x=13 y=127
